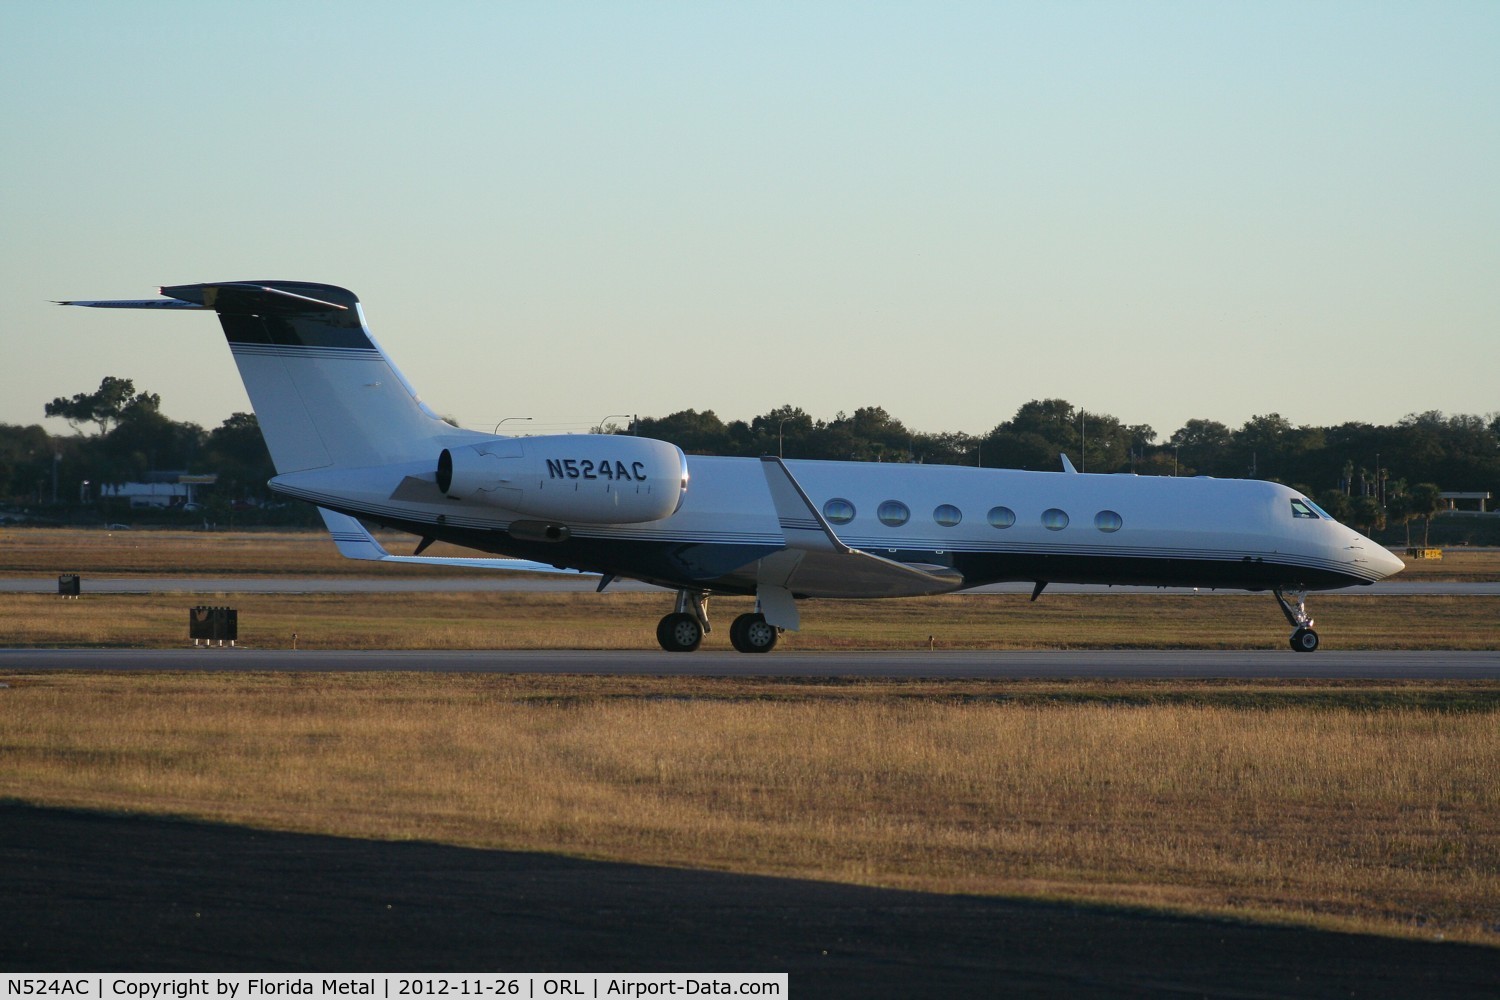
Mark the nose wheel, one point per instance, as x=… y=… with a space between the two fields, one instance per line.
x=1304 y=639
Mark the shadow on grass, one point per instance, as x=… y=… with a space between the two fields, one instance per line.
x=89 y=891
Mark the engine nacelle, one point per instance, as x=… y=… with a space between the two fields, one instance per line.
x=578 y=478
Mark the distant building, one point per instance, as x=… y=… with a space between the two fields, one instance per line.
x=1455 y=497
x=164 y=489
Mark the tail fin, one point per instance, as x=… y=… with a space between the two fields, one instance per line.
x=324 y=392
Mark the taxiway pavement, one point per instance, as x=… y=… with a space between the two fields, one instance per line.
x=1125 y=664
x=483 y=583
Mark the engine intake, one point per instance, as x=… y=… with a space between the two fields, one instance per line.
x=578 y=478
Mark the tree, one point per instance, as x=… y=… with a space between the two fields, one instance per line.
x=106 y=406
x=236 y=450
x=948 y=449
x=1041 y=430
x=1337 y=504
x=144 y=440
x=784 y=426
x=1368 y=514
x=1201 y=445
x=695 y=433
x=1269 y=446
x=26 y=457
x=1400 y=508
x=1426 y=500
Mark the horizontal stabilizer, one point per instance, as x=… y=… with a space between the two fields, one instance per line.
x=355 y=542
x=133 y=304
x=256 y=297
x=232 y=297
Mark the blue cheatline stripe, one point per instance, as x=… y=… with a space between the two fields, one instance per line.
x=298 y=351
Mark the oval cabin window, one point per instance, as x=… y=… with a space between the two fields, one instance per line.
x=1054 y=519
x=893 y=513
x=947 y=515
x=1001 y=517
x=1108 y=520
x=838 y=511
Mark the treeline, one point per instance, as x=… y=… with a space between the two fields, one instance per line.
x=124 y=437
x=1362 y=473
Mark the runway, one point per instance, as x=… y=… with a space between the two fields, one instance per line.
x=1124 y=664
x=487 y=583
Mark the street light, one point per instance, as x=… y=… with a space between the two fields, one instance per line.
x=778 y=436
x=503 y=419
x=612 y=416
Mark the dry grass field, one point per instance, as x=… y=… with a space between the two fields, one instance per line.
x=1353 y=805
x=1333 y=804
x=49 y=551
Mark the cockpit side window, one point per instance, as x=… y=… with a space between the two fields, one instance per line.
x=1320 y=511
x=1306 y=508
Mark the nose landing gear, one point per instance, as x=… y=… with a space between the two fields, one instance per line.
x=1303 y=639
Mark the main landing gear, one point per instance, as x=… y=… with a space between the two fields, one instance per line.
x=1304 y=639
x=683 y=630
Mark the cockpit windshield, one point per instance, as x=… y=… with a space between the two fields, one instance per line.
x=1303 y=507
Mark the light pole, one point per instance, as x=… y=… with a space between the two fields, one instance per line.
x=503 y=419
x=1083 y=442
x=778 y=436
x=607 y=419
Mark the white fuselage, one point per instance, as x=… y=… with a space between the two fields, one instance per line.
x=988 y=524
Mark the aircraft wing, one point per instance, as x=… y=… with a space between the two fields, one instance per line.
x=354 y=542
x=817 y=563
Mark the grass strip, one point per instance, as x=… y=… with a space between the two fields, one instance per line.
x=1356 y=805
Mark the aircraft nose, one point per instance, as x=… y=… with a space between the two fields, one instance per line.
x=1368 y=558
x=1384 y=561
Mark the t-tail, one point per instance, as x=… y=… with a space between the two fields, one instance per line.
x=324 y=392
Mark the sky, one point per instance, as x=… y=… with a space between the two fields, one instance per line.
x=568 y=211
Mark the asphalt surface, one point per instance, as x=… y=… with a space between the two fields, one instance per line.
x=478 y=582
x=89 y=891
x=1122 y=664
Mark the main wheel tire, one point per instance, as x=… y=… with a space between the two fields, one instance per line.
x=679 y=632
x=1304 y=640
x=751 y=633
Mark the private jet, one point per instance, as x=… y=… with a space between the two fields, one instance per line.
x=347 y=433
